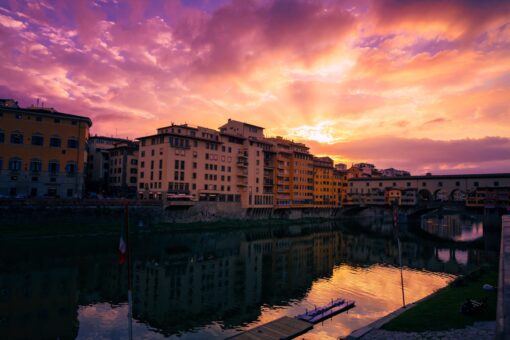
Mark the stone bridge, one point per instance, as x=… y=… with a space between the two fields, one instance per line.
x=432 y=187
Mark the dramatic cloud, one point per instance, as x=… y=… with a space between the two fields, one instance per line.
x=349 y=72
x=426 y=155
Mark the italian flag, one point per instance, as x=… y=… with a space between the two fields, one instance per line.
x=122 y=250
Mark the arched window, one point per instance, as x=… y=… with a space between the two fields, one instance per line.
x=16 y=137
x=53 y=166
x=55 y=141
x=35 y=165
x=15 y=164
x=37 y=139
x=71 y=168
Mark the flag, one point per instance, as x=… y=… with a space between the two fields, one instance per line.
x=122 y=250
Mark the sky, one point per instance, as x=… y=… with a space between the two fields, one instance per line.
x=422 y=85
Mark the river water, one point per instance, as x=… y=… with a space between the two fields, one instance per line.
x=214 y=284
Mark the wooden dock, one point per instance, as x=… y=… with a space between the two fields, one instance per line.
x=282 y=328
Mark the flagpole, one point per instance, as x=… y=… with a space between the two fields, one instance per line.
x=128 y=255
x=397 y=232
x=401 y=274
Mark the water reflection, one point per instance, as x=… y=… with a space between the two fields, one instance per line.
x=202 y=285
x=453 y=226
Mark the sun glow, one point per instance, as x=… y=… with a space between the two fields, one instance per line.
x=322 y=132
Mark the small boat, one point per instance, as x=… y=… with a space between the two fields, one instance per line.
x=319 y=314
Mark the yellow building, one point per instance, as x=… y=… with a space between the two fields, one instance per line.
x=325 y=183
x=42 y=151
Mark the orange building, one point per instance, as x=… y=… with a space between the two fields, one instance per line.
x=294 y=176
x=42 y=151
x=325 y=183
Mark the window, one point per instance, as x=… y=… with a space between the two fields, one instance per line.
x=37 y=140
x=15 y=164
x=176 y=165
x=439 y=184
x=16 y=138
x=72 y=143
x=71 y=168
x=496 y=184
x=55 y=142
x=35 y=165
x=53 y=167
x=476 y=184
x=2 y=136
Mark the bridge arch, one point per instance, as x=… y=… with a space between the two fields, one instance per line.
x=425 y=195
x=441 y=195
x=457 y=195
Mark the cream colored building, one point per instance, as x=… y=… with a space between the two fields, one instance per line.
x=203 y=164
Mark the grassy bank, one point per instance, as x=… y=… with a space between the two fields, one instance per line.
x=441 y=311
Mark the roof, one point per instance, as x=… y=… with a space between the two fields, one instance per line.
x=114 y=139
x=49 y=112
x=244 y=123
x=462 y=176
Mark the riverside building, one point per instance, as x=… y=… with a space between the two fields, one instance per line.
x=203 y=164
x=98 y=162
x=326 y=184
x=294 y=176
x=123 y=168
x=42 y=151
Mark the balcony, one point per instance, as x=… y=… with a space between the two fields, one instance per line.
x=242 y=173
x=242 y=184
x=242 y=164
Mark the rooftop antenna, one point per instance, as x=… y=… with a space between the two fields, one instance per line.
x=37 y=105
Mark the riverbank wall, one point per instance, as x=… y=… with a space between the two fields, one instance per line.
x=20 y=215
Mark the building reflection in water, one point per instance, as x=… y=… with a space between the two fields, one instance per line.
x=456 y=227
x=217 y=283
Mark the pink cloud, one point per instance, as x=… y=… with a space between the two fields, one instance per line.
x=420 y=70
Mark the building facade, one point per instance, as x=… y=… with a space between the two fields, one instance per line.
x=42 y=152
x=123 y=170
x=205 y=164
x=415 y=189
x=326 y=184
x=294 y=174
x=98 y=162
